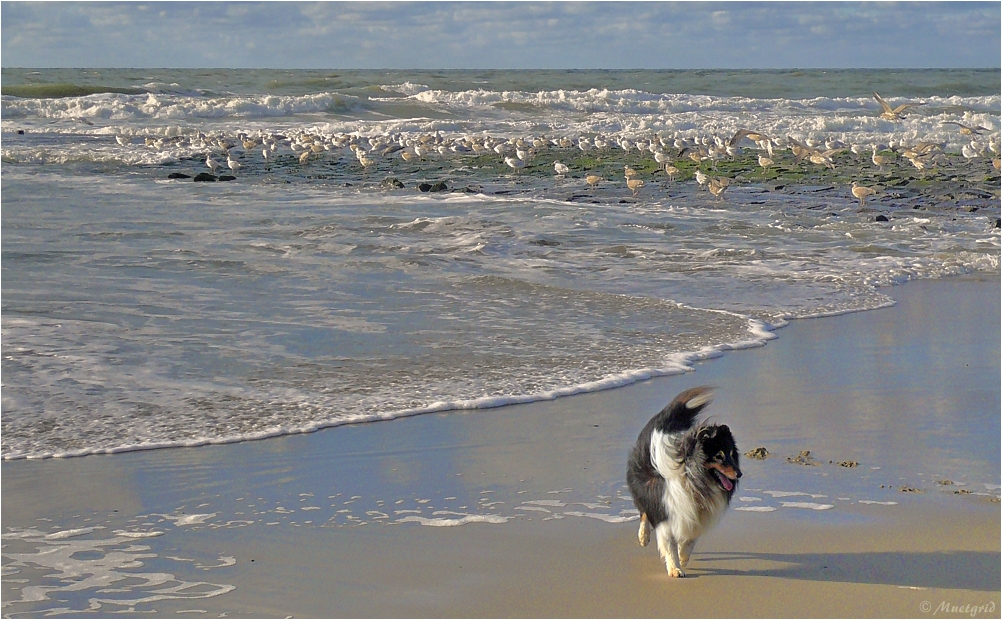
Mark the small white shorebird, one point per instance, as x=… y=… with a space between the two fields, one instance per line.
x=754 y=136
x=671 y=171
x=971 y=151
x=879 y=160
x=965 y=130
x=634 y=184
x=212 y=163
x=718 y=186
x=593 y=180
x=861 y=192
x=892 y=114
x=233 y=163
x=701 y=178
x=560 y=168
x=122 y=140
x=919 y=162
x=514 y=163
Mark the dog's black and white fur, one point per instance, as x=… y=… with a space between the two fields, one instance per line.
x=682 y=476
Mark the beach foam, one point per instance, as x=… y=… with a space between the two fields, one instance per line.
x=443 y=522
x=306 y=296
x=108 y=569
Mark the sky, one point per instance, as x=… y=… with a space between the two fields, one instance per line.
x=501 y=35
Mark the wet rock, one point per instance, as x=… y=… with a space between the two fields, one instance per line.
x=998 y=223
x=974 y=193
x=204 y=176
x=544 y=242
x=759 y=453
x=881 y=218
x=178 y=175
x=227 y=177
x=392 y=183
x=424 y=187
x=804 y=458
x=440 y=186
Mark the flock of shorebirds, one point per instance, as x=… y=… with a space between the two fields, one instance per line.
x=518 y=153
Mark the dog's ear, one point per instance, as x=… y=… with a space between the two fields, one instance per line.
x=707 y=433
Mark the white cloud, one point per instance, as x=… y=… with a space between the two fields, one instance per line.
x=500 y=35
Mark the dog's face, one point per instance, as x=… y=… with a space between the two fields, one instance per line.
x=720 y=455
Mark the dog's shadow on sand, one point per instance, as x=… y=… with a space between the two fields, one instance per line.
x=969 y=570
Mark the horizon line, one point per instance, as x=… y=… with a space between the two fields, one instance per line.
x=972 y=68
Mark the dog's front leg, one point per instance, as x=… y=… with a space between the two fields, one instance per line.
x=673 y=563
x=643 y=535
x=684 y=550
x=668 y=548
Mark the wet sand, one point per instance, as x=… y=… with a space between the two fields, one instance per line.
x=333 y=523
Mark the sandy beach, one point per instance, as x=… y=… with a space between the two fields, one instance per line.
x=521 y=511
x=332 y=310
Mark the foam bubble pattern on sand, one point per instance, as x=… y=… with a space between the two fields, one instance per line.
x=620 y=518
x=778 y=494
x=90 y=574
x=444 y=522
x=808 y=505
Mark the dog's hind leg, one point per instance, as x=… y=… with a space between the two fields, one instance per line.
x=644 y=535
x=668 y=549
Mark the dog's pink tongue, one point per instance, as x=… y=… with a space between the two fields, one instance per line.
x=724 y=480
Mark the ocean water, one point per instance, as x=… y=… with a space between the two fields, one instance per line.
x=143 y=311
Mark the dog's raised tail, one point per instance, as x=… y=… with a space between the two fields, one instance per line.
x=681 y=413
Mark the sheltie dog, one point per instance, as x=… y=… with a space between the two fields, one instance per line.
x=682 y=476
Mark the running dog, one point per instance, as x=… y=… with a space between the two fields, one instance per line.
x=682 y=476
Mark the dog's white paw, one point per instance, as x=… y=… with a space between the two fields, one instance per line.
x=675 y=572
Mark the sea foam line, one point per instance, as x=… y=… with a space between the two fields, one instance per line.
x=759 y=332
x=675 y=364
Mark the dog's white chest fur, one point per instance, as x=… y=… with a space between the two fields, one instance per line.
x=690 y=512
